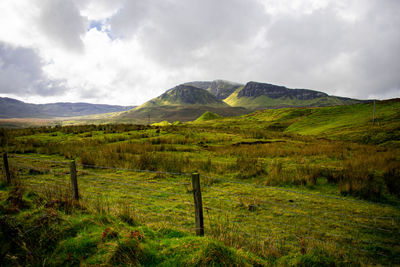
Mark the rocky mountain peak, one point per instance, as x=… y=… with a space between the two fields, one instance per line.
x=255 y=89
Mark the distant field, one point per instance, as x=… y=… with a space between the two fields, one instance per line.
x=26 y=122
x=320 y=182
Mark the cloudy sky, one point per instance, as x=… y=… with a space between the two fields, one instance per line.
x=129 y=51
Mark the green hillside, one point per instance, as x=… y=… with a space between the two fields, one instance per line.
x=208 y=116
x=176 y=113
x=349 y=122
x=259 y=95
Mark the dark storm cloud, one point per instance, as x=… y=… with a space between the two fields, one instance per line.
x=176 y=33
x=61 y=22
x=358 y=58
x=21 y=73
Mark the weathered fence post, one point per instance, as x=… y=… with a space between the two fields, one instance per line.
x=373 y=114
x=198 y=204
x=74 y=181
x=6 y=168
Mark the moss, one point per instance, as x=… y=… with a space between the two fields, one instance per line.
x=315 y=258
x=133 y=252
x=217 y=255
x=73 y=250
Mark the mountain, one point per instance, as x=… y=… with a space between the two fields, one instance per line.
x=190 y=100
x=12 y=108
x=219 y=88
x=182 y=95
x=256 y=95
x=184 y=103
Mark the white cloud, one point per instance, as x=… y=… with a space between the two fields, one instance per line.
x=126 y=52
x=61 y=22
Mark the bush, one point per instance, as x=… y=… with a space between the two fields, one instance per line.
x=249 y=168
x=392 y=180
x=361 y=183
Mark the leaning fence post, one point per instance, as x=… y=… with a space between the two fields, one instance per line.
x=74 y=181
x=198 y=204
x=6 y=168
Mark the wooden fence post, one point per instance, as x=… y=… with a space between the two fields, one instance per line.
x=74 y=181
x=373 y=114
x=198 y=204
x=6 y=168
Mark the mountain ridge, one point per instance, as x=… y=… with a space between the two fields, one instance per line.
x=255 y=95
x=13 y=108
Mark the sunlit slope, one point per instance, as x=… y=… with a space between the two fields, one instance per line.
x=350 y=122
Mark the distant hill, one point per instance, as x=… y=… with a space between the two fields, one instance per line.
x=12 y=108
x=256 y=95
x=208 y=116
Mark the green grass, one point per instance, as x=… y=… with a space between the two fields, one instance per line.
x=267 y=222
x=348 y=122
x=47 y=235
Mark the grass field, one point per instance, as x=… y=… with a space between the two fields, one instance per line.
x=290 y=186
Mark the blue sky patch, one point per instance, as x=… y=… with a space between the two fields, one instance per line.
x=98 y=24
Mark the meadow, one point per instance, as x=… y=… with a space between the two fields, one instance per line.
x=289 y=186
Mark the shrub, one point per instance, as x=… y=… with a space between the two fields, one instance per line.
x=392 y=180
x=361 y=183
x=249 y=168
